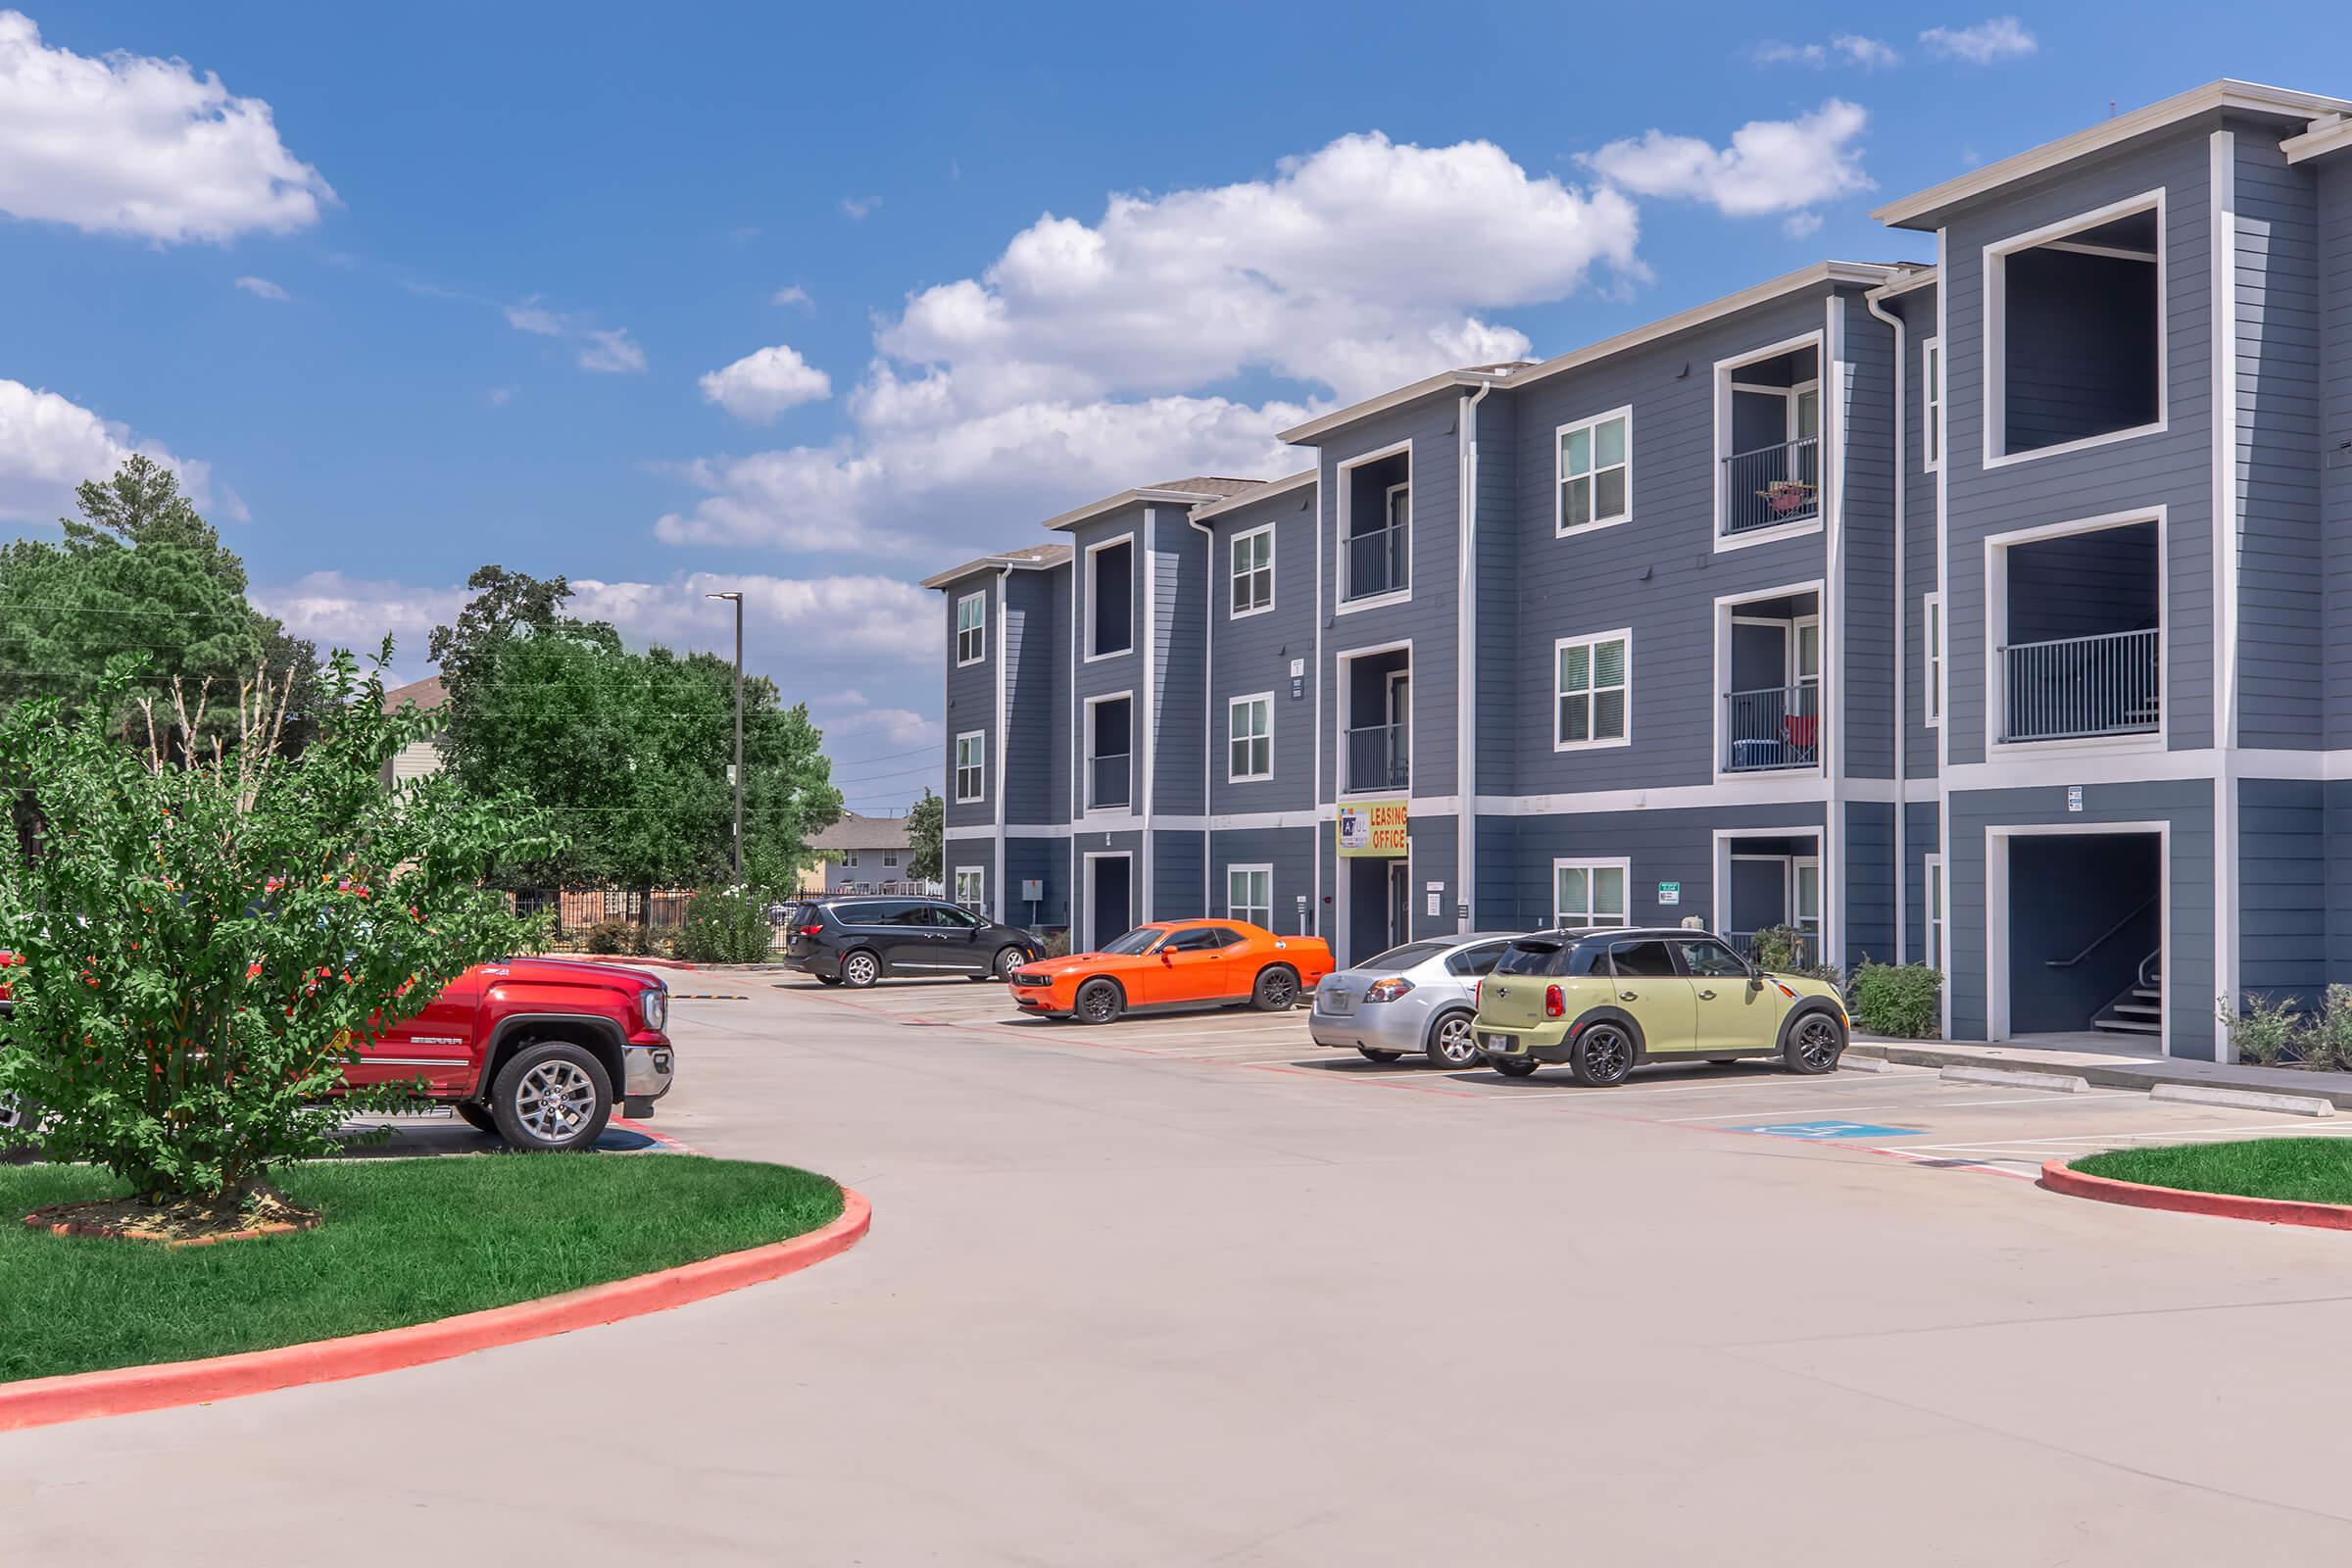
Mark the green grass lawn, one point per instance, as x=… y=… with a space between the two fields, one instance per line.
x=2310 y=1170
x=404 y=1242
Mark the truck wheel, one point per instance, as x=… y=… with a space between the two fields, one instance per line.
x=1277 y=989
x=860 y=970
x=1097 y=1001
x=477 y=1116
x=551 y=1097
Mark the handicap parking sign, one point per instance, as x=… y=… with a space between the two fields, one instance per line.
x=1823 y=1130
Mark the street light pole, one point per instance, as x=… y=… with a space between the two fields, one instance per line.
x=738 y=598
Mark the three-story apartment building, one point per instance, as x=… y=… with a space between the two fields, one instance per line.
x=1977 y=610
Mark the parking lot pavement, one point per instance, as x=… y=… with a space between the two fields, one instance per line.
x=1190 y=1290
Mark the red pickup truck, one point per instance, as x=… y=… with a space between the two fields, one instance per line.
x=535 y=1050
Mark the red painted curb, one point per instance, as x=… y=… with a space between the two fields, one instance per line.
x=81 y=1395
x=2058 y=1178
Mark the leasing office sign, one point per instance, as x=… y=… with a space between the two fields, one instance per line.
x=1372 y=828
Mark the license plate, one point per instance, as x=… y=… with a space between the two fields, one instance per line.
x=1495 y=1042
x=1339 y=1004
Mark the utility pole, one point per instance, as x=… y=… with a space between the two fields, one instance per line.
x=738 y=598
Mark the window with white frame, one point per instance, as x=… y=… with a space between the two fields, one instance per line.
x=1250 y=894
x=849 y=860
x=1594 y=687
x=1931 y=404
x=1596 y=471
x=1110 y=597
x=1253 y=572
x=1249 y=737
x=1934 y=957
x=971 y=887
x=971 y=628
x=1588 y=892
x=1930 y=638
x=971 y=756
x=890 y=858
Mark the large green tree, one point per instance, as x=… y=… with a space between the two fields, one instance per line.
x=927 y=830
x=139 y=573
x=630 y=750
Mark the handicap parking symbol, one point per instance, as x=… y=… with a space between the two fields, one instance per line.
x=1823 y=1130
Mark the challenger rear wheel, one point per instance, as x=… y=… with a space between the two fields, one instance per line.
x=1277 y=989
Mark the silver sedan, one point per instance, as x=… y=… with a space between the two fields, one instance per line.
x=1419 y=997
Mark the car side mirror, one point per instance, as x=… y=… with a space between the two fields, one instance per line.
x=1755 y=980
x=1167 y=957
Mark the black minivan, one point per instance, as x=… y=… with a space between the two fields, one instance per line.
x=858 y=941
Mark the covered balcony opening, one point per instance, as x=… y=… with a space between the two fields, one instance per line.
x=1376 y=752
x=1376 y=550
x=1771 y=710
x=1771 y=469
x=1109 y=895
x=2085 y=940
x=2077 y=629
x=1111 y=598
x=1773 y=884
x=1110 y=749
x=2078 y=329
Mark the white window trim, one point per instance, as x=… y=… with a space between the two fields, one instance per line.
x=1931 y=405
x=1724 y=382
x=1233 y=610
x=1934 y=897
x=1996 y=633
x=980 y=627
x=979 y=876
x=1135 y=598
x=1591 y=640
x=1347 y=713
x=1342 y=605
x=978 y=766
x=849 y=860
x=1232 y=704
x=1589 y=864
x=1250 y=868
x=1085 y=743
x=1726 y=617
x=1995 y=331
x=1934 y=637
x=1561 y=528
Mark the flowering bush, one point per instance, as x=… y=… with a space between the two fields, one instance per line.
x=196 y=945
x=724 y=925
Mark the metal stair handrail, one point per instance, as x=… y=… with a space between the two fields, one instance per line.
x=2101 y=939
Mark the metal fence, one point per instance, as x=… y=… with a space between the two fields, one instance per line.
x=1808 y=945
x=1375 y=561
x=2079 y=687
x=1107 y=778
x=1378 y=757
x=1772 y=485
x=1775 y=726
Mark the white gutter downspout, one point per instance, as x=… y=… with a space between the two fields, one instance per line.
x=1465 y=664
x=1004 y=651
x=1902 y=806
x=1147 y=630
x=1208 y=703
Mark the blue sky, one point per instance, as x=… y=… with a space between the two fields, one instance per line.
x=410 y=289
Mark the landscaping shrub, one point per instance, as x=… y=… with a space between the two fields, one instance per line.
x=2269 y=1032
x=610 y=937
x=724 y=925
x=1901 y=999
x=2328 y=1039
x=1057 y=943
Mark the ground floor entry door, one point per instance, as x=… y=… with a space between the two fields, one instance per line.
x=1109 y=898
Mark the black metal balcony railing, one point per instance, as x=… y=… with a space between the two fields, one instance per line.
x=1106 y=780
x=1378 y=759
x=1808 y=944
x=1375 y=561
x=2079 y=687
x=1776 y=727
x=1772 y=485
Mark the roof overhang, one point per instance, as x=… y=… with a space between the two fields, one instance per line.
x=1314 y=430
x=1128 y=498
x=2330 y=135
x=2245 y=97
x=1264 y=492
x=1004 y=562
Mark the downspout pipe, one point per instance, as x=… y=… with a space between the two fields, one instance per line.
x=1873 y=299
x=1208 y=694
x=1465 y=875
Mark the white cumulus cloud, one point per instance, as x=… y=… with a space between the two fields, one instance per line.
x=613 y=352
x=49 y=444
x=760 y=386
x=1771 y=165
x=131 y=144
x=1847 y=48
x=1995 y=39
x=262 y=288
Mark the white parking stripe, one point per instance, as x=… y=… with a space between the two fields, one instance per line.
x=1905 y=1104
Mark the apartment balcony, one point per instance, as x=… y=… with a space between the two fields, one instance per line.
x=1377 y=561
x=1107 y=783
x=1378 y=759
x=2082 y=688
x=1772 y=729
x=1772 y=485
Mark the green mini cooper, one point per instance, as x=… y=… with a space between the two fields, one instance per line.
x=1605 y=1000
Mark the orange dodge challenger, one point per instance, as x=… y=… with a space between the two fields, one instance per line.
x=1175 y=965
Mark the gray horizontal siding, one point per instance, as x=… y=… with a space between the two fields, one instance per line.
x=971 y=699
x=1254 y=653
x=1290 y=851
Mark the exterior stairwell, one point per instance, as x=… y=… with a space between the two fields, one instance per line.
x=2138 y=1010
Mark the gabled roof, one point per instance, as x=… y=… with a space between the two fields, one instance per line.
x=1302 y=480
x=427 y=693
x=1919 y=210
x=1029 y=558
x=1176 y=492
x=854 y=832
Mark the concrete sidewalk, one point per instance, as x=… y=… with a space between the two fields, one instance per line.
x=2110 y=1069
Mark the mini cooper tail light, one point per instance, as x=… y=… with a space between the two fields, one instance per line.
x=1387 y=990
x=1556 y=1002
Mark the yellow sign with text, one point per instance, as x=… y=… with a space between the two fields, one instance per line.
x=1372 y=829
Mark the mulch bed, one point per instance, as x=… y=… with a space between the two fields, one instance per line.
x=186 y=1223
